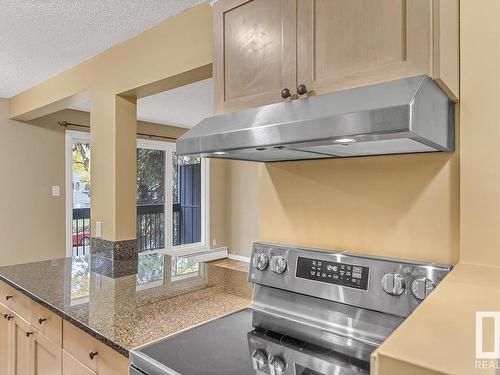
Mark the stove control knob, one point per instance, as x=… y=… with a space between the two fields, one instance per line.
x=259 y=359
x=277 y=366
x=261 y=261
x=393 y=284
x=421 y=287
x=278 y=264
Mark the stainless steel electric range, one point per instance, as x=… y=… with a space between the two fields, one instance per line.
x=313 y=313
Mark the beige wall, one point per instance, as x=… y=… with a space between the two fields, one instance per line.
x=242 y=197
x=403 y=206
x=32 y=222
x=480 y=170
x=32 y=160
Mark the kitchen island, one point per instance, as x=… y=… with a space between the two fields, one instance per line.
x=88 y=312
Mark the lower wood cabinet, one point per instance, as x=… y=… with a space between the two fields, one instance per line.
x=36 y=341
x=45 y=355
x=20 y=346
x=4 y=341
x=73 y=366
x=93 y=354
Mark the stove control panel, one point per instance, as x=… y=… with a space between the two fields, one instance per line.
x=350 y=275
x=393 y=286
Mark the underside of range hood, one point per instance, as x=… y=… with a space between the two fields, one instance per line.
x=405 y=116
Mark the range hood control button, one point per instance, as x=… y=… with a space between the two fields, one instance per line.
x=393 y=284
x=259 y=360
x=278 y=264
x=261 y=261
x=277 y=366
x=421 y=288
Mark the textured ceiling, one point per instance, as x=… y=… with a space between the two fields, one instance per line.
x=40 y=38
x=184 y=106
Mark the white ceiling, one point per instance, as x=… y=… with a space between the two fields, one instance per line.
x=40 y=38
x=184 y=106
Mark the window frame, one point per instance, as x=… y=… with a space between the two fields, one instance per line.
x=169 y=148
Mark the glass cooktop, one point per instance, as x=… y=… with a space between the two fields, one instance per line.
x=232 y=346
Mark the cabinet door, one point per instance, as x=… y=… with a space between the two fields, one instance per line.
x=254 y=52
x=71 y=366
x=348 y=43
x=19 y=346
x=4 y=342
x=45 y=356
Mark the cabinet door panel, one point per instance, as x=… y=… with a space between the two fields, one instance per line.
x=349 y=43
x=19 y=345
x=45 y=356
x=71 y=366
x=4 y=342
x=254 y=52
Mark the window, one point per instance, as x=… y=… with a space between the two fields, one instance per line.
x=78 y=202
x=172 y=191
x=171 y=198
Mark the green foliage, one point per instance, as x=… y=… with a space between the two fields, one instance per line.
x=81 y=163
x=150 y=176
x=150 y=268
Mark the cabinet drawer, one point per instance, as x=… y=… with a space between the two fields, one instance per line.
x=16 y=301
x=71 y=366
x=80 y=344
x=46 y=322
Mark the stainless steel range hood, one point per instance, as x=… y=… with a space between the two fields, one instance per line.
x=410 y=115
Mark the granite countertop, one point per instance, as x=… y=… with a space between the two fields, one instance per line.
x=126 y=304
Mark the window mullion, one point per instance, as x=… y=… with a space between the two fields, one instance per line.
x=168 y=198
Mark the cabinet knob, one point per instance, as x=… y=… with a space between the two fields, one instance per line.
x=301 y=89
x=41 y=320
x=29 y=333
x=8 y=296
x=285 y=93
x=92 y=354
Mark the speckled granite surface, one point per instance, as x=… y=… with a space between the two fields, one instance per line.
x=164 y=295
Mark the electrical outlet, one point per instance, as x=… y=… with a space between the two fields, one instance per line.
x=98 y=229
x=56 y=191
x=214 y=242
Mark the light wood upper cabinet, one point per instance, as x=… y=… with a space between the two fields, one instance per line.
x=254 y=52
x=264 y=46
x=348 y=43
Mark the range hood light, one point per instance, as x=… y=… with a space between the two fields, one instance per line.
x=345 y=141
x=219 y=153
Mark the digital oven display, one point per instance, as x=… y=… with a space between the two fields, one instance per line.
x=343 y=274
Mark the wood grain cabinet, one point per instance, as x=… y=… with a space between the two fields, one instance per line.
x=4 y=340
x=45 y=355
x=254 y=52
x=261 y=46
x=72 y=366
x=30 y=336
x=36 y=341
x=95 y=356
x=20 y=346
